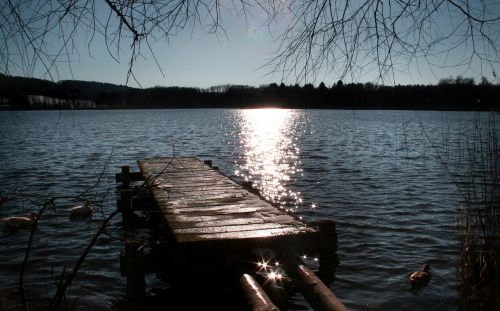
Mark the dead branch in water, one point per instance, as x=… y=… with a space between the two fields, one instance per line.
x=61 y=290
x=27 y=253
x=62 y=286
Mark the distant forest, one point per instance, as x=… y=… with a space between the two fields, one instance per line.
x=449 y=94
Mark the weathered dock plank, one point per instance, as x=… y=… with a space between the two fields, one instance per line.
x=200 y=204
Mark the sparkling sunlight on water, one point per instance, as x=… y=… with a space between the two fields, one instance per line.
x=271 y=153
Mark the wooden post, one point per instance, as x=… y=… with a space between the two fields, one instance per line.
x=327 y=250
x=135 y=270
x=125 y=207
x=315 y=291
x=256 y=297
x=125 y=176
x=248 y=185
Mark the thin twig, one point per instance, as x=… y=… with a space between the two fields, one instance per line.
x=27 y=253
x=61 y=290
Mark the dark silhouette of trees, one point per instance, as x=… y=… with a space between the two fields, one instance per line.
x=450 y=94
x=459 y=80
x=484 y=81
x=348 y=38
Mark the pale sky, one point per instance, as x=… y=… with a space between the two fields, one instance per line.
x=197 y=59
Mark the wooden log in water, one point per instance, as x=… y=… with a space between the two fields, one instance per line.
x=314 y=290
x=256 y=297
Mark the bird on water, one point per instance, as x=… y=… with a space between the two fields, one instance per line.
x=81 y=210
x=420 y=278
x=20 y=221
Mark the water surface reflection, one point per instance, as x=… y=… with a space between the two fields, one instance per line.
x=379 y=179
x=270 y=156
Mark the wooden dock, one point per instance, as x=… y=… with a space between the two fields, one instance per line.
x=210 y=220
x=200 y=205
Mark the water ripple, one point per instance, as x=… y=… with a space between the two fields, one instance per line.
x=391 y=198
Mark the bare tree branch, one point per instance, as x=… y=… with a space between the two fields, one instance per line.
x=358 y=38
x=324 y=37
x=61 y=290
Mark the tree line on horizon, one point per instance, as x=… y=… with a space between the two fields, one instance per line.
x=449 y=94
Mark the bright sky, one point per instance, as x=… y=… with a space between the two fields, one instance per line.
x=198 y=59
x=194 y=59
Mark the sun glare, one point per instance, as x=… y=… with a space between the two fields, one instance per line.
x=271 y=153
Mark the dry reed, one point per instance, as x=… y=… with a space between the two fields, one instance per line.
x=478 y=218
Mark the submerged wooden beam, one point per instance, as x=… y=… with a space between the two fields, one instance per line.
x=256 y=297
x=314 y=290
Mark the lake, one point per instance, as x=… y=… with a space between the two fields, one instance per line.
x=375 y=172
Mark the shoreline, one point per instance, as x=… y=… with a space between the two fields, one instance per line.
x=17 y=109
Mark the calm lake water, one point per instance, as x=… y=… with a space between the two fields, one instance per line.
x=375 y=172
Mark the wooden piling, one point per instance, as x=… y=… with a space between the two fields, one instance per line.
x=256 y=297
x=135 y=270
x=124 y=203
x=125 y=207
x=327 y=250
x=315 y=291
x=125 y=176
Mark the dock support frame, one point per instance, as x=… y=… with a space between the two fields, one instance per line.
x=135 y=270
x=328 y=259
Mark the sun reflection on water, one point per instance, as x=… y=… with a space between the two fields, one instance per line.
x=270 y=157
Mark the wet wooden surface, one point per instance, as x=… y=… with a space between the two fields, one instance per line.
x=200 y=204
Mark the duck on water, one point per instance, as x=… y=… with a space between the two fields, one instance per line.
x=82 y=210
x=20 y=221
x=28 y=220
x=420 y=278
